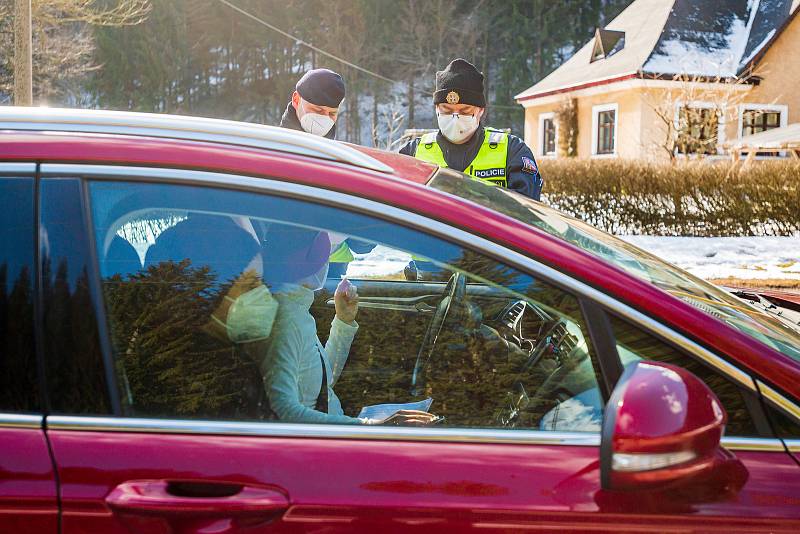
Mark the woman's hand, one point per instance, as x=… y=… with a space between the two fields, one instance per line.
x=408 y=417
x=345 y=299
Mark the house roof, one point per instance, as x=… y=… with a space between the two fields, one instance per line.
x=707 y=38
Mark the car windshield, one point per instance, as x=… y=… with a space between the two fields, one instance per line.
x=766 y=327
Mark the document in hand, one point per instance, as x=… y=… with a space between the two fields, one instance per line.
x=382 y=411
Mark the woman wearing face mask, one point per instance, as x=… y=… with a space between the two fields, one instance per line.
x=315 y=102
x=300 y=372
x=462 y=143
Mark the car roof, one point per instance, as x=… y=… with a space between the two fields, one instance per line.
x=213 y=131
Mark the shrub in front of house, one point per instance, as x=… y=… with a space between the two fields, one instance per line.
x=695 y=198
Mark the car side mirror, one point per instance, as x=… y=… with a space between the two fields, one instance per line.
x=661 y=428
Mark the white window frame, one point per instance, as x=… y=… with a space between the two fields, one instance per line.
x=542 y=117
x=721 y=124
x=596 y=110
x=783 y=109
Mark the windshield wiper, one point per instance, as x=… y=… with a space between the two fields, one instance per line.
x=787 y=316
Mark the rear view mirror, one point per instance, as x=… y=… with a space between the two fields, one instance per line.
x=662 y=427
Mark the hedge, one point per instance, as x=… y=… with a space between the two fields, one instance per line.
x=696 y=198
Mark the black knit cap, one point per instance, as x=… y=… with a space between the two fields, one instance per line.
x=321 y=87
x=459 y=83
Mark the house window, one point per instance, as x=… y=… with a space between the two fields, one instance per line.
x=698 y=130
x=755 y=120
x=604 y=130
x=607 y=43
x=547 y=134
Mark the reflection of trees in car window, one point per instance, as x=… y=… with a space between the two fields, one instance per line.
x=19 y=386
x=635 y=344
x=167 y=355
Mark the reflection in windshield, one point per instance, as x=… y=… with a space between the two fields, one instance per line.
x=737 y=313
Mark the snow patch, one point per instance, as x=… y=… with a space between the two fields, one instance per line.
x=722 y=257
x=757 y=49
x=689 y=58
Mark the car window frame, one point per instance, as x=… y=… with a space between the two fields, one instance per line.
x=597 y=301
x=33 y=419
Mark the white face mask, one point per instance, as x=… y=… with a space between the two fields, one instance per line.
x=251 y=315
x=314 y=123
x=317 y=280
x=457 y=128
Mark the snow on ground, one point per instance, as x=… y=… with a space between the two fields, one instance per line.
x=382 y=261
x=705 y=257
x=722 y=257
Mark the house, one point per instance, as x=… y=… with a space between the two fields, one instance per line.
x=671 y=76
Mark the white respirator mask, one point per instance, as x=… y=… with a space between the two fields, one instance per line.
x=457 y=128
x=251 y=315
x=315 y=123
x=316 y=281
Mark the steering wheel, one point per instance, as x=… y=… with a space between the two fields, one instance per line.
x=517 y=398
x=455 y=292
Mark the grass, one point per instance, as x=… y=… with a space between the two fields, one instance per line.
x=759 y=283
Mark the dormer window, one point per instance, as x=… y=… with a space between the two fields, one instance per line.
x=607 y=43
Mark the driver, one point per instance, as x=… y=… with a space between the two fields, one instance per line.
x=300 y=373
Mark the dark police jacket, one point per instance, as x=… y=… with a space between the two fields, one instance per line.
x=522 y=172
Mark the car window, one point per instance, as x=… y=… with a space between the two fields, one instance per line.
x=785 y=427
x=635 y=344
x=221 y=305
x=758 y=322
x=19 y=390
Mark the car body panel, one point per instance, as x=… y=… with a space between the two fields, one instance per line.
x=28 y=498
x=411 y=169
x=356 y=485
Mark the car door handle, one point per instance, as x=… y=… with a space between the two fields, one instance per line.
x=196 y=499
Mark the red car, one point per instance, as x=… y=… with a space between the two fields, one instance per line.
x=579 y=383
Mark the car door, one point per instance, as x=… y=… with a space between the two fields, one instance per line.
x=171 y=424
x=28 y=500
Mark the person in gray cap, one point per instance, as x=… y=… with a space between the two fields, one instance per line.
x=465 y=144
x=314 y=106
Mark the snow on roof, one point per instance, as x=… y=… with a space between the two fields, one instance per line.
x=786 y=137
x=641 y=21
x=715 y=39
x=706 y=38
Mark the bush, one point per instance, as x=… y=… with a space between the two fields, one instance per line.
x=697 y=198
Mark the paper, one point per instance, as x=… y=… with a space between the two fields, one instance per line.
x=382 y=411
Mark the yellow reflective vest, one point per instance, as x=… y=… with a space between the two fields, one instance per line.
x=342 y=254
x=489 y=165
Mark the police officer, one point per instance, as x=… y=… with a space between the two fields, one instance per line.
x=314 y=106
x=462 y=143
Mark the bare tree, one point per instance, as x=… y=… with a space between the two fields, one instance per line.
x=62 y=39
x=434 y=33
x=692 y=109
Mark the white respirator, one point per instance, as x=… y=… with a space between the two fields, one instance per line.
x=316 y=124
x=251 y=315
x=457 y=128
